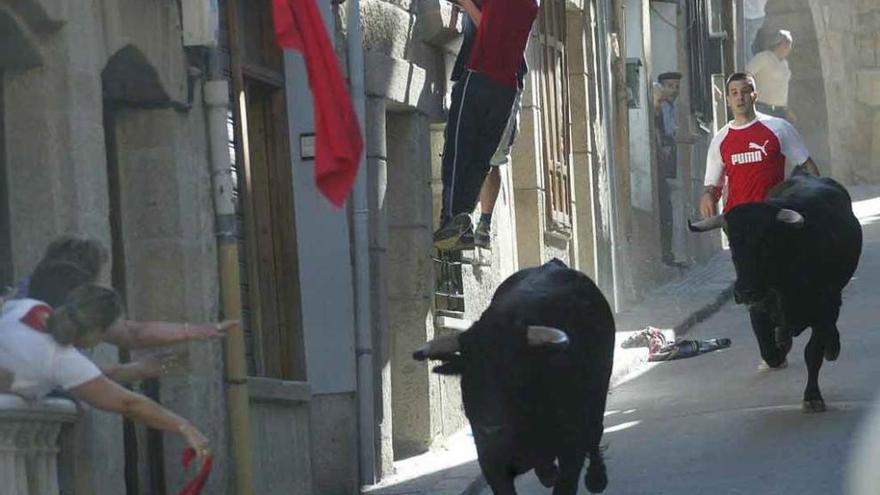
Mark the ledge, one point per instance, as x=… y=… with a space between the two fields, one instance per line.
x=273 y=390
x=450 y=323
x=13 y=407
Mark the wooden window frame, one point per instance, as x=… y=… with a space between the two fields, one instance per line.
x=271 y=303
x=554 y=97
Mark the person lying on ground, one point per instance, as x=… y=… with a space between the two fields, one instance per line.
x=39 y=341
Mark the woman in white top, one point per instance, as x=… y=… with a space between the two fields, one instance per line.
x=38 y=346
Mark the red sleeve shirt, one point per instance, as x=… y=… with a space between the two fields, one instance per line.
x=752 y=157
x=501 y=39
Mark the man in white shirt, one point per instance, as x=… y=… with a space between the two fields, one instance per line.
x=772 y=74
x=753 y=15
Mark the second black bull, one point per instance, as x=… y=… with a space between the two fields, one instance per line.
x=793 y=255
x=534 y=378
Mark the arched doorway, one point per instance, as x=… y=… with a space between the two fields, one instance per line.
x=806 y=98
x=135 y=111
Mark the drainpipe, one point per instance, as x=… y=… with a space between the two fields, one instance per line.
x=361 y=241
x=216 y=96
x=610 y=106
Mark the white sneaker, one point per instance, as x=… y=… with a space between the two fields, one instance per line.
x=763 y=366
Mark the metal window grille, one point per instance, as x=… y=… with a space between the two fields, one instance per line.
x=553 y=93
x=448 y=284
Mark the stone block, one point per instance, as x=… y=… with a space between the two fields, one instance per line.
x=865 y=6
x=868 y=86
x=334 y=442
x=376 y=144
x=526 y=153
x=409 y=379
x=529 y=226
x=280 y=429
x=409 y=169
x=402 y=83
x=875 y=145
x=409 y=256
x=154 y=271
x=387 y=28
x=440 y=22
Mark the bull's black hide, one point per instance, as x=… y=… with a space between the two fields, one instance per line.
x=793 y=255
x=535 y=396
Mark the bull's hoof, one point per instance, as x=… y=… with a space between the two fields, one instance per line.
x=548 y=474
x=596 y=478
x=832 y=349
x=814 y=406
x=784 y=340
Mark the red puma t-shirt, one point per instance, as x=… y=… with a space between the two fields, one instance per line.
x=752 y=157
x=501 y=39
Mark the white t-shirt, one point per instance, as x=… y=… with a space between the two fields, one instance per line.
x=772 y=77
x=754 y=9
x=39 y=363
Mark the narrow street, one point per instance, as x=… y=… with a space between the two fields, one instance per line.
x=714 y=424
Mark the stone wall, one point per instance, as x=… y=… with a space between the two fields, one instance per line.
x=55 y=129
x=866 y=16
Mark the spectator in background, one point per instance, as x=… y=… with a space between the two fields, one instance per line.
x=753 y=17
x=39 y=337
x=666 y=125
x=770 y=68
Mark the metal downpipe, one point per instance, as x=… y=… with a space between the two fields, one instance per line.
x=361 y=242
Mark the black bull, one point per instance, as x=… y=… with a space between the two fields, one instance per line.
x=534 y=377
x=793 y=255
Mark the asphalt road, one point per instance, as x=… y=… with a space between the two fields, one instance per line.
x=715 y=425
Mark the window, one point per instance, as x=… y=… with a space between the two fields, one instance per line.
x=704 y=60
x=262 y=168
x=553 y=94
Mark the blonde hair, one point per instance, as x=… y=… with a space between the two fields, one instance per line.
x=89 y=308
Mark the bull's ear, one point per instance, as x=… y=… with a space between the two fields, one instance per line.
x=452 y=367
x=790 y=217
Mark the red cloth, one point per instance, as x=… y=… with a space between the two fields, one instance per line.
x=338 y=140
x=37 y=316
x=194 y=487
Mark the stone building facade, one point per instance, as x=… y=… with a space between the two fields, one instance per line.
x=103 y=134
x=580 y=186
x=836 y=91
x=108 y=129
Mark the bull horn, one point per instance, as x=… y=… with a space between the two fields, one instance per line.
x=790 y=217
x=445 y=345
x=539 y=335
x=706 y=224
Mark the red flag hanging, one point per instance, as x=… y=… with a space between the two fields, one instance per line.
x=338 y=140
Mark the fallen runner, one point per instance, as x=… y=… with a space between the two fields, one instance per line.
x=687 y=348
x=660 y=349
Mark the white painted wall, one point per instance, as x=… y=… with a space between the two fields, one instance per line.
x=641 y=187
